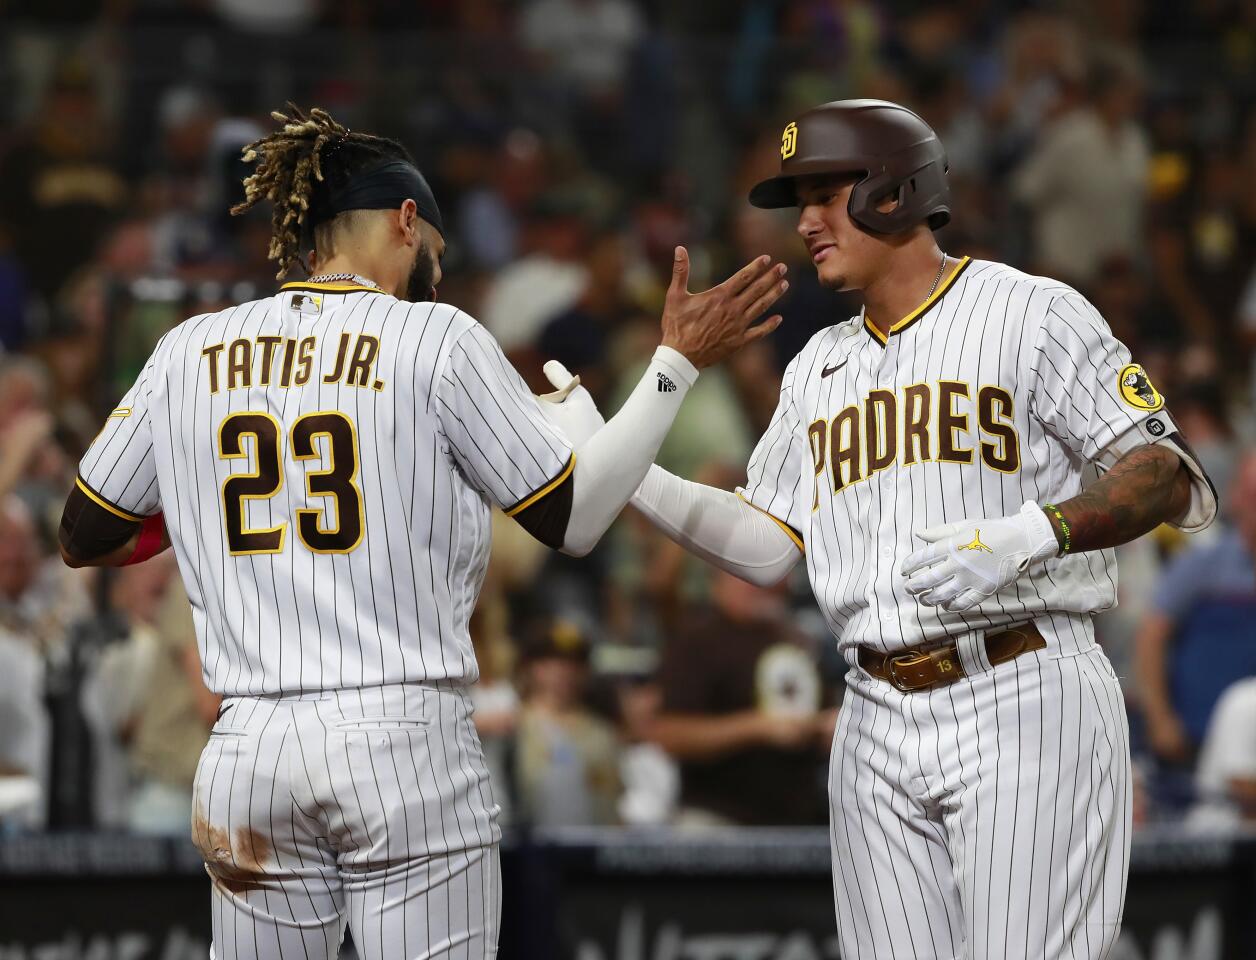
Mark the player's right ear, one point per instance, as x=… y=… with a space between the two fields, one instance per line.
x=408 y=220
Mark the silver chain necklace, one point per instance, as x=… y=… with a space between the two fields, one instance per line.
x=938 y=278
x=344 y=278
x=932 y=289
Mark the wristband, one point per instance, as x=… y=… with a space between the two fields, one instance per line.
x=150 y=543
x=1064 y=527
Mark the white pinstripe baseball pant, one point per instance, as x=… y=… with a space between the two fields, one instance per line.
x=985 y=819
x=368 y=807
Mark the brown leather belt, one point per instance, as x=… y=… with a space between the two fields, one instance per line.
x=920 y=669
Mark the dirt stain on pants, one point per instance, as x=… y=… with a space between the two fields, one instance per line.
x=236 y=860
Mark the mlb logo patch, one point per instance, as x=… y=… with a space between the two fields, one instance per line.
x=307 y=303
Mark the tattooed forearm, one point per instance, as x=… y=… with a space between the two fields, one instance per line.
x=1146 y=487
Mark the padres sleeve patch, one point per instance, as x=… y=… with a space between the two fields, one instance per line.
x=1136 y=389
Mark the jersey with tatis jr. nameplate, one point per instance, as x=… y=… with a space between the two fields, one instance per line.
x=1000 y=388
x=326 y=460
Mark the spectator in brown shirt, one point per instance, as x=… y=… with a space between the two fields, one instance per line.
x=59 y=188
x=743 y=712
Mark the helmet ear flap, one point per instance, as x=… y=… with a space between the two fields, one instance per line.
x=867 y=193
x=922 y=195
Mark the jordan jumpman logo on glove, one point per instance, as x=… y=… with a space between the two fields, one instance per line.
x=966 y=562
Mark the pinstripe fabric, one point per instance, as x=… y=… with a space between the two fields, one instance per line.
x=445 y=429
x=345 y=782
x=370 y=806
x=988 y=819
x=1057 y=360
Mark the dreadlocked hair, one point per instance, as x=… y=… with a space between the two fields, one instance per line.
x=308 y=156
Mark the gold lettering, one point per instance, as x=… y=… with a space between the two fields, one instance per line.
x=789 y=141
x=1004 y=454
x=305 y=360
x=880 y=429
x=950 y=420
x=917 y=400
x=844 y=450
x=817 y=434
x=863 y=439
x=289 y=354
x=212 y=354
x=268 y=345
x=239 y=364
x=364 y=353
x=341 y=353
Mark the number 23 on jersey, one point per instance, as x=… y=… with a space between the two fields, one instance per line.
x=338 y=481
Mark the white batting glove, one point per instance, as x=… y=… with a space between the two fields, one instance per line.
x=967 y=562
x=569 y=407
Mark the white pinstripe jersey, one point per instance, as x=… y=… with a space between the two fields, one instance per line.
x=1000 y=388
x=326 y=460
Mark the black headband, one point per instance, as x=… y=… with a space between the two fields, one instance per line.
x=384 y=187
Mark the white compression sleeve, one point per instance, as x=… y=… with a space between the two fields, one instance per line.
x=611 y=464
x=718 y=526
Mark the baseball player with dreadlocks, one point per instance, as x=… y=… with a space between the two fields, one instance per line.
x=323 y=462
x=956 y=464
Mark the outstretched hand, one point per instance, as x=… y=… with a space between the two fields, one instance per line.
x=706 y=327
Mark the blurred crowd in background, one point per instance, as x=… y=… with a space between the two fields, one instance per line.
x=572 y=144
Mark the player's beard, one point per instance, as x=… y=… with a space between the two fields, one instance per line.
x=421 y=286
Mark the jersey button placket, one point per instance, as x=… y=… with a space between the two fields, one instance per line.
x=887 y=363
x=890 y=611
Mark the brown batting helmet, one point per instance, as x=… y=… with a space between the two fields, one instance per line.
x=891 y=151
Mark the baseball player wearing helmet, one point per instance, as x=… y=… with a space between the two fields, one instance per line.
x=956 y=464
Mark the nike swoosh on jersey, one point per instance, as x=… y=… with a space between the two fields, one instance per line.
x=833 y=369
